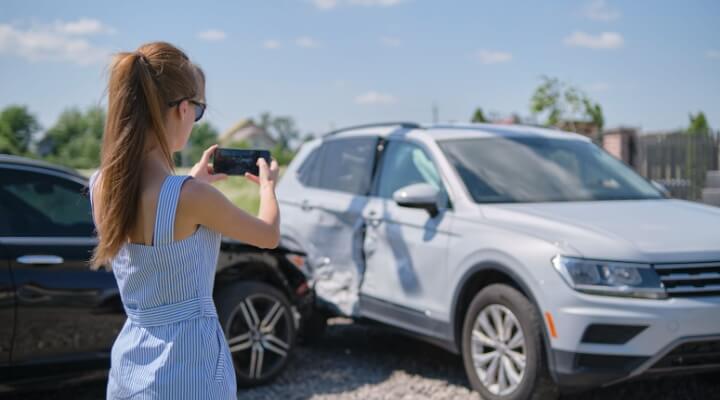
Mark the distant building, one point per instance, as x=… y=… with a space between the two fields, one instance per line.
x=621 y=143
x=509 y=120
x=246 y=131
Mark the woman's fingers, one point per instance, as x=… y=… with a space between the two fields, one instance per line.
x=252 y=178
x=208 y=153
x=274 y=168
x=262 y=168
x=267 y=174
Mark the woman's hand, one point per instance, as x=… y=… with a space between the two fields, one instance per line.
x=203 y=170
x=268 y=175
x=212 y=209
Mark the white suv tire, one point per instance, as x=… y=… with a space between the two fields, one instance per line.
x=502 y=347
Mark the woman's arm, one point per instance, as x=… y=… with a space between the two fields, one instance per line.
x=212 y=209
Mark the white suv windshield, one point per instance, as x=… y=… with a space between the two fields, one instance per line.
x=530 y=169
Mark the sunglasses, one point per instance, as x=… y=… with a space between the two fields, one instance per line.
x=199 y=106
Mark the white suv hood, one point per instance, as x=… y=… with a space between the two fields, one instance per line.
x=624 y=230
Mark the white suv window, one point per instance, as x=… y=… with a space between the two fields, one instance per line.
x=403 y=164
x=346 y=164
x=309 y=170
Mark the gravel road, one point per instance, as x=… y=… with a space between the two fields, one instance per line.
x=362 y=362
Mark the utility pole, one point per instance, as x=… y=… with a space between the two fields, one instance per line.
x=435 y=113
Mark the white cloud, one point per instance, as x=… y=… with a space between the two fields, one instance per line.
x=713 y=54
x=605 y=40
x=598 y=87
x=390 y=41
x=493 y=57
x=83 y=26
x=307 y=42
x=330 y=4
x=54 y=42
x=373 y=97
x=325 y=4
x=599 y=10
x=378 y=3
x=212 y=35
x=271 y=44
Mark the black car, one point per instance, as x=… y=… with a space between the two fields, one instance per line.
x=59 y=318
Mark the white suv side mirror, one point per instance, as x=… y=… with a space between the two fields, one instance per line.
x=418 y=195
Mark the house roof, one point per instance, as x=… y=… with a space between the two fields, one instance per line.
x=244 y=130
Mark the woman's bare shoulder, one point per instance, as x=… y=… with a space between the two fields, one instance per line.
x=196 y=190
x=197 y=196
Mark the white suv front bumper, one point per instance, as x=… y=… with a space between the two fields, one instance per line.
x=601 y=340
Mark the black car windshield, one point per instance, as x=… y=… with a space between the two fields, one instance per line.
x=533 y=169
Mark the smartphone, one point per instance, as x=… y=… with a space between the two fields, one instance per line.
x=238 y=161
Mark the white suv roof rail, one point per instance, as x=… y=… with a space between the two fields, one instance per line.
x=405 y=124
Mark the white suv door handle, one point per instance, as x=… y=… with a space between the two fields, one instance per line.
x=305 y=206
x=372 y=219
x=40 y=259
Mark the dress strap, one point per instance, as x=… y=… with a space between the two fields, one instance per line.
x=166 y=207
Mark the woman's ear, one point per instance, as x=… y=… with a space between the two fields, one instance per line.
x=176 y=112
x=184 y=110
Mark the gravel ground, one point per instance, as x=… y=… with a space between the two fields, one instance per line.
x=361 y=362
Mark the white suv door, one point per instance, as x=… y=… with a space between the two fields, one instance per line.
x=335 y=205
x=405 y=248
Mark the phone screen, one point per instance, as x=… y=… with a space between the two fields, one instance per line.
x=238 y=161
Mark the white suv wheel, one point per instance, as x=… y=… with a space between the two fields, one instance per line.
x=502 y=346
x=498 y=349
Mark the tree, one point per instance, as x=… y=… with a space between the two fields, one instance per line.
x=75 y=139
x=594 y=111
x=281 y=128
x=8 y=141
x=17 y=126
x=283 y=155
x=203 y=136
x=308 y=137
x=696 y=160
x=285 y=131
x=699 y=125
x=265 y=121
x=564 y=103
x=478 y=116
x=548 y=98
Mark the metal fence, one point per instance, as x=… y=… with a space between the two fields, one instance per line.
x=677 y=160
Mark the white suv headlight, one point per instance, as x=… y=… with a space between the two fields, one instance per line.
x=610 y=277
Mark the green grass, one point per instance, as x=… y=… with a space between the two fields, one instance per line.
x=239 y=190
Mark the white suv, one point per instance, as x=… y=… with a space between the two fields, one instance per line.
x=543 y=260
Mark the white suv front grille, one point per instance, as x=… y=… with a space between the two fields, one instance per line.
x=690 y=279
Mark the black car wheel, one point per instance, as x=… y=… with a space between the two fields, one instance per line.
x=502 y=347
x=258 y=323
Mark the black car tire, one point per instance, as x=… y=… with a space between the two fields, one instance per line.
x=270 y=307
x=535 y=382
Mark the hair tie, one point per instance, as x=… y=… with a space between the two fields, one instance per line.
x=140 y=56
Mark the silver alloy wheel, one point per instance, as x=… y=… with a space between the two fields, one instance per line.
x=257 y=337
x=498 y=349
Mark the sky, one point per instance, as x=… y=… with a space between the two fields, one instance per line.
x=334 y=63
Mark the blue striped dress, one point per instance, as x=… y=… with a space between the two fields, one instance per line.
x=171 y=345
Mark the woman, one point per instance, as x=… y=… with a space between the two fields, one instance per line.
x=161 y=232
